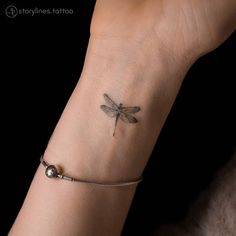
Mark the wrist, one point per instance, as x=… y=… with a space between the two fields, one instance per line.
x=133 y=74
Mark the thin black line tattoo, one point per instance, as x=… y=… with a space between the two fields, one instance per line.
x=118 y=111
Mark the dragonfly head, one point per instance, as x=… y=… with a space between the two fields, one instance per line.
x=120 y=105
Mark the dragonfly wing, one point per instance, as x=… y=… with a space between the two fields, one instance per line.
x=128 y=118
x=109 y=101
x=130 y=109
x=108 y=110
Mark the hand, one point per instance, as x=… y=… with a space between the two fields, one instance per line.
x=184 y=27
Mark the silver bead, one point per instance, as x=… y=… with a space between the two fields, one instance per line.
x=51 y=171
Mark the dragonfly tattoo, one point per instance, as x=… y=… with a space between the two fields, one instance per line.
x=119 y=112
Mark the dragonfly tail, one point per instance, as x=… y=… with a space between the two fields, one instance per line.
x=117 y=117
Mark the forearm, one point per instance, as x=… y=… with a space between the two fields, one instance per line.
x=83 y=144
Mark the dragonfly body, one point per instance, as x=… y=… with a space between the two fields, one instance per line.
x=119 y=111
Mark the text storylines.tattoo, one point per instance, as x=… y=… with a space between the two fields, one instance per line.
x=119 y=112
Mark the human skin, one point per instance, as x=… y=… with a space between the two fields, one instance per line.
x=138 y=53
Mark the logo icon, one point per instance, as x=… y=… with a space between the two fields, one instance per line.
x=11 y=11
